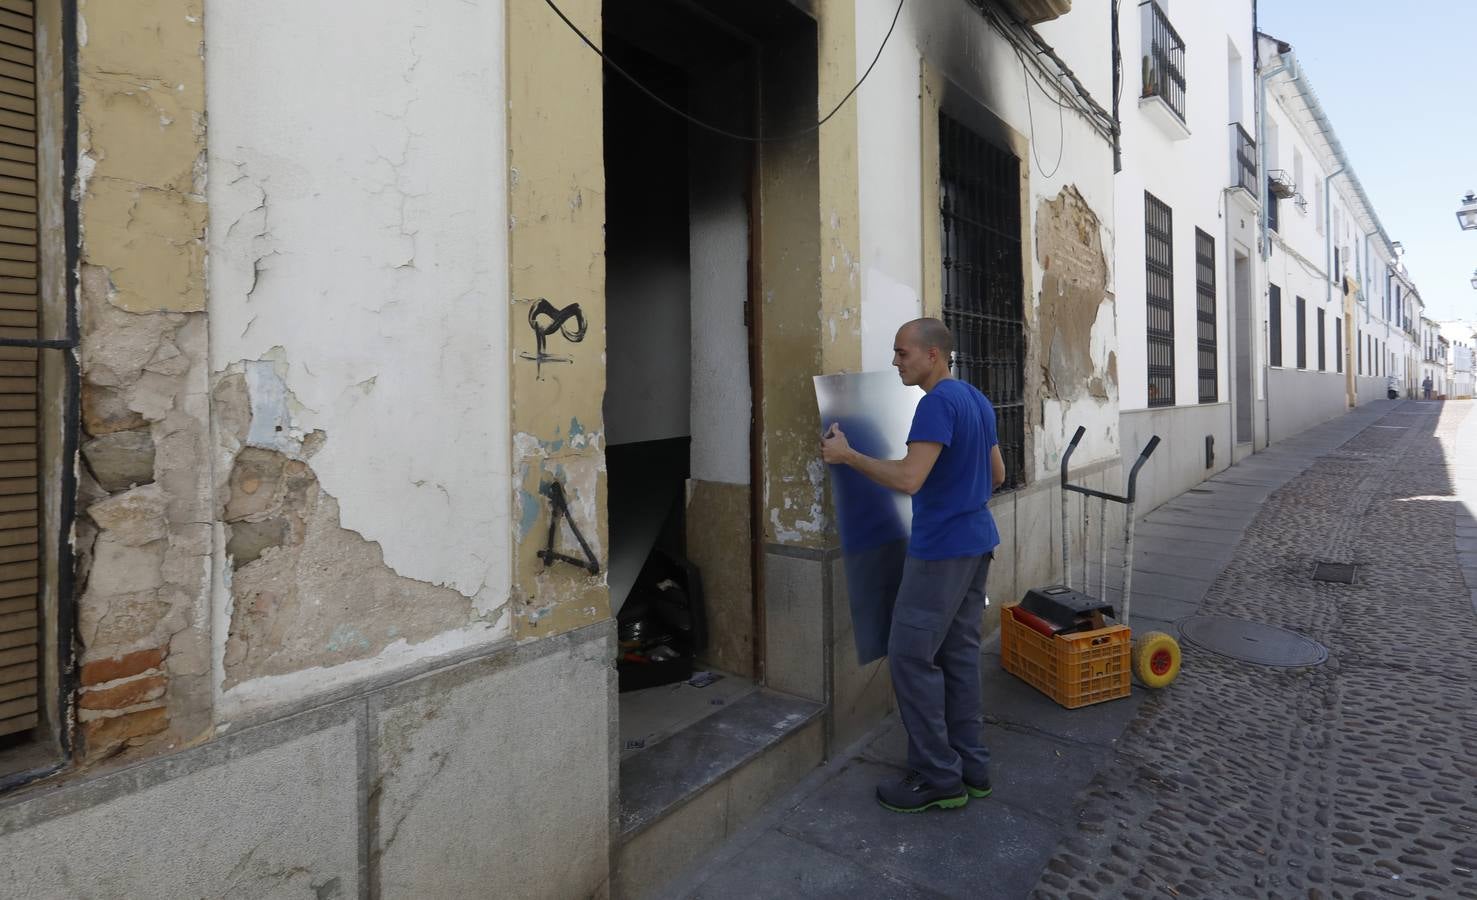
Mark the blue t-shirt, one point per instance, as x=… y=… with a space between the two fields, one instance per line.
x=950 y=516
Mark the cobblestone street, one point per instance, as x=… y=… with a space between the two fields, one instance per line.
x=1351 y=779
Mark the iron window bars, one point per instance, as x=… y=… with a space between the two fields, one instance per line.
x=1302 y=333
x=1243 y=160
x=1164 y=58
x=1274 y=325
x=1159 y=299
x=1205 y=315
x=1322 y=354
x=979 y=203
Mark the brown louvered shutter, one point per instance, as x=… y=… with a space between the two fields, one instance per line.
x=20 y=548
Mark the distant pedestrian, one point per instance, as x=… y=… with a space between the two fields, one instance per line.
x=1426 y=387
x=952 y=466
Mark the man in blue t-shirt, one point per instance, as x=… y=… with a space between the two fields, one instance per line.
x=952 y=466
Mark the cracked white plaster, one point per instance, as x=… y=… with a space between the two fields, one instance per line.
x=365 y=258
x=273 y=690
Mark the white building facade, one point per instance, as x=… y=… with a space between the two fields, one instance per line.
x=1187 y=240
x=1434 y=354
x=1462 y=368
x=1341 y=322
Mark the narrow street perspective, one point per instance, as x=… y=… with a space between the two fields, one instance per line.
x=631 y=449
x=1334 y=761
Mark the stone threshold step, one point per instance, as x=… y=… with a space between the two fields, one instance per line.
x=662 y=777
x=682 y=797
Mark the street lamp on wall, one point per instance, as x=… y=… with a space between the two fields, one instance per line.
x=1466 y=214
x=1474 y=279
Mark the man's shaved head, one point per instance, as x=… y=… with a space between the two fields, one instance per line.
x=930 y=334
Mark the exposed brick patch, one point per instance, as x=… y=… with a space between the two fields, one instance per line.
x=130 y=693
x=121 y=666
x=102 y=734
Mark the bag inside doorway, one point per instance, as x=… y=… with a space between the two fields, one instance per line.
x=662 y=626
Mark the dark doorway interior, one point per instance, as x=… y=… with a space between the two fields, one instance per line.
x=681 y=272
x=667 y=302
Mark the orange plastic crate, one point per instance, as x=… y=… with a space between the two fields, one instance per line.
x=1075 y=669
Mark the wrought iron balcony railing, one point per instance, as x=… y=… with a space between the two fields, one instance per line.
x=1243 y=160
x=1164 y=58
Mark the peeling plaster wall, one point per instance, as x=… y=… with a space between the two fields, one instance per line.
x=142 y=535
x=1076 y=330
x=794 y=315
x=358 y=334
x=1068 y=264
x=556 y=246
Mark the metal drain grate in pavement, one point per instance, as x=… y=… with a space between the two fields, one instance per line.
x=1335 y=573
x=1252 y=642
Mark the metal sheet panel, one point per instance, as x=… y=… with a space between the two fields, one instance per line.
x=875 y=410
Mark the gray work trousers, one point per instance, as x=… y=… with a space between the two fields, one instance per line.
x=934 y=654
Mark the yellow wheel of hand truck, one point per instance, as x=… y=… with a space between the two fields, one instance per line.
x=1156 y=659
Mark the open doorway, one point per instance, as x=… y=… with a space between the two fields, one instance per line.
x=679 y=409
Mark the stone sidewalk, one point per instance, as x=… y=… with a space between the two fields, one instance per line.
x=1193 y=791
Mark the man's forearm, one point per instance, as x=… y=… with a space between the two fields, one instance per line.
x=890 y=473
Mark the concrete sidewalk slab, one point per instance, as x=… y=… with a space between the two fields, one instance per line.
x=985 y=849
x=1008 y=700
x=794 y=868
x=1047 y=772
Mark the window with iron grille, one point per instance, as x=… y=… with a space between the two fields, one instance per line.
x=1322 y=357
x=1338 y=344
x=1164 y=58
x=1274 y=325
x=1302 y=333
x=1159 y=298
x=1205 y=314
x=980 y=206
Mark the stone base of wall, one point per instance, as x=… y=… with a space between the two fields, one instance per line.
x=490 y=777
x=1179 y=462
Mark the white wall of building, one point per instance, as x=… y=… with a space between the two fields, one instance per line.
x=1191 y=173
x=358 y=245
x=1462 y=377
x=1301 y=265
x=1329 y=237
x=957 y=42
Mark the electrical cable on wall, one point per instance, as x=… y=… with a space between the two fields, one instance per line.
x=1118 y=65
x=1061 y=145
x=1027 y=40
x=753 y=139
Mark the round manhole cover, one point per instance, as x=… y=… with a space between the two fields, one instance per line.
x=1252 y=642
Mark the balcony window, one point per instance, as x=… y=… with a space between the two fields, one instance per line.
x=1163 y=59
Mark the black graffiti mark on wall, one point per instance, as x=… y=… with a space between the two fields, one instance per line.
x=544 y=319
x=559 y=507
